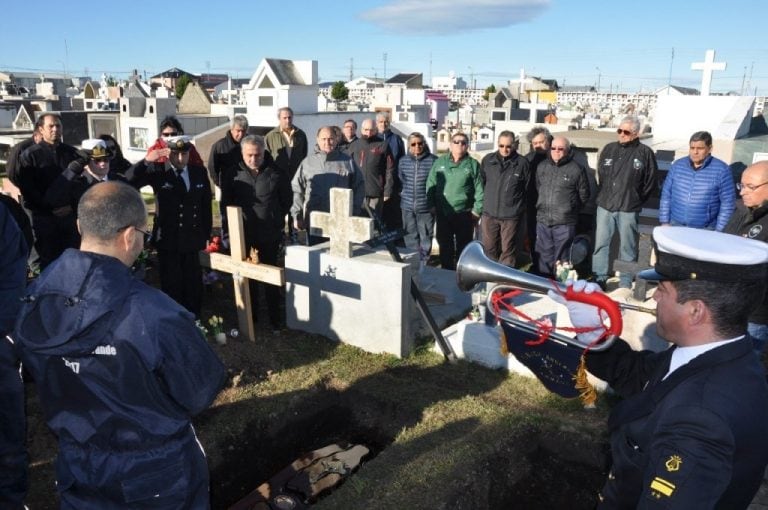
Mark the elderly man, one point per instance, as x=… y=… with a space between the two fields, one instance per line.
x=264 y=195
x=413 y=170
x=750 y=220
x=183 y=219
x=455 y=197
x=626 y=176
x=374 y=157
x=698 y=190
x=690 y=432
x=120 y=368
x=391 y=212
x=39 y=167
x=287 y=143
x=540 y=140
x=506 y=177
x=322 y=170
x=563 y=190
x=225 y=153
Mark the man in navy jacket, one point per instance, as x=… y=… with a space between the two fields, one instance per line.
x=690 y=432
x=119 y=366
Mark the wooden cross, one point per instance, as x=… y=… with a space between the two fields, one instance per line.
x=241 y=270
x=339 y=225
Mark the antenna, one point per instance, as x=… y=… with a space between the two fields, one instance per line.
x=351 y=69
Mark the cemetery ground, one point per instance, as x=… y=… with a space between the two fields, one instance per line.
x=440 y=435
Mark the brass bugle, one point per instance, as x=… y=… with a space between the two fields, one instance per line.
x=475 y=267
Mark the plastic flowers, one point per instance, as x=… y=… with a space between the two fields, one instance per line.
x=217 y=324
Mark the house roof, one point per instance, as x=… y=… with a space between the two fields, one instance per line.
x=209 y=81
x=403 y=78
x=436 y=95
x=285 y=71
x=174 y=72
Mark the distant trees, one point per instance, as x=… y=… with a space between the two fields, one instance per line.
x=490 y=89
x=181 y=85
x=339 y=91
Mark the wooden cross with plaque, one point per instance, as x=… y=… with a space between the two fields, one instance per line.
x=241 y=270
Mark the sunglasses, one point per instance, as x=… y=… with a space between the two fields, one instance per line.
x=505 y=146
x=417 y=144
x=558 y=149
x=623 y=132
x=169 y=133
x=459 y=142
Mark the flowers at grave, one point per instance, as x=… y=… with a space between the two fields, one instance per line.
x=217 y=324
x=214 y=245
x=202 y=328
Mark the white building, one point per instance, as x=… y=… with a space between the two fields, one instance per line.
x=277 y=83
x=450 y=82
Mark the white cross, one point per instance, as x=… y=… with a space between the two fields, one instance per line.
x=707 y=67
x=339 y=225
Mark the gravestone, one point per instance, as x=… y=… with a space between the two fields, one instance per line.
x=241 y=270
x=353 y=293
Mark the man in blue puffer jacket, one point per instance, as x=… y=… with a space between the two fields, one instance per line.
x=413 y=170
x=698 y=191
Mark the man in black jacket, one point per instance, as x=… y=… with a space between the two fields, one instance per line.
x=506 y=179
x=225 y=153
x=374 y=157
x=39 y=166
x=690 y=432
x=183 y=219
x=750 y=220
x=626 y=177
x=563 y=190
x=264 y=195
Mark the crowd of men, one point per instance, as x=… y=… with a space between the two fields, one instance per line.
x=85 y=318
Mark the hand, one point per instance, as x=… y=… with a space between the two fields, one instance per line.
x=153 y=156
x=298 y=224
x=386 y=198
x=76 y=167
x=582 y=315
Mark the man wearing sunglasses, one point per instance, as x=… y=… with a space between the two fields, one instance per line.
x=455 y=197
x=750 y=220
x=626 y=177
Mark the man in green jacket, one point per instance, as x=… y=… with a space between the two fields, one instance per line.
x=455 y=197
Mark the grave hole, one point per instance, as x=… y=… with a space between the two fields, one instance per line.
x=331 y=417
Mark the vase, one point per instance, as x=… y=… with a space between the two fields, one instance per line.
x=221 y=338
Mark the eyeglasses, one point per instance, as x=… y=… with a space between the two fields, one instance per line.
x=459 y=142
x=748 y=187
x=147 y=235
x=505 y=146
x=624 y=132
x=557 y=149
x=169 y=133
x=417 y=144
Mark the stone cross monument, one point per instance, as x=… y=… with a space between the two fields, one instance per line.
x=339 y=225
x=706 y=68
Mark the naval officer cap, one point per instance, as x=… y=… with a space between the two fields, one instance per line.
x=181 y=143
x=684 y=253
x=95 y=148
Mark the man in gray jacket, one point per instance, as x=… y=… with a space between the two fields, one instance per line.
x=320 y=171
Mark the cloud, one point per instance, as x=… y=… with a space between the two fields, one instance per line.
x=443 y=17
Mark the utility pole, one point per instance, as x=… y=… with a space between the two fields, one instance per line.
x=385 y=67
x=669 y=77
x=351 y=69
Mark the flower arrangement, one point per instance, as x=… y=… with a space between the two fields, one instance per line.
x=217 y=324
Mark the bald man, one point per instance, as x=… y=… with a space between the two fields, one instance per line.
x=750 y=219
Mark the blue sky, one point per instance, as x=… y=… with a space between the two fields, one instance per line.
x=626 y=45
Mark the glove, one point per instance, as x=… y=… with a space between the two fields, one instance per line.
x=76 y=167
x=582 y=315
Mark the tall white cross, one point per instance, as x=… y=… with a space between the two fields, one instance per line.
x=707 y=67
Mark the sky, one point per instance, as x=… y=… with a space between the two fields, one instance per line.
x=626 y=46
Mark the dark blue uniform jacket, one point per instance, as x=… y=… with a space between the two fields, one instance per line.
x=120 y=368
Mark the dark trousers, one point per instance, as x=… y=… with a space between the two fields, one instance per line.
x=549 y=245
x=182 y=278
x=499 y=239
x=13 y=452
x=454 y=232
x=268 y=252
x=53 y=235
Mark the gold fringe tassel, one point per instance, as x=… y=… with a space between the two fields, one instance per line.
x=503 y=349
x=587 y=392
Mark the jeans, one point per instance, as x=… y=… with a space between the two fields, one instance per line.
x=606 y=224
x=419 y=229
x=759 y=334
